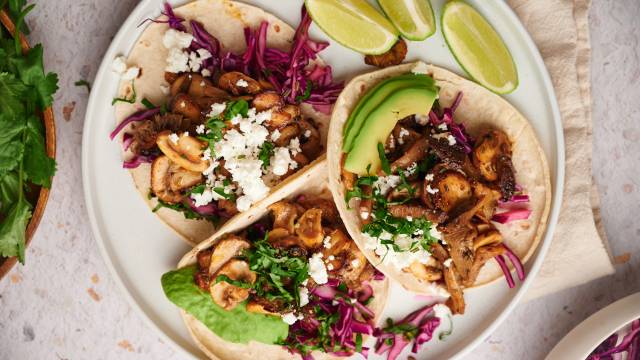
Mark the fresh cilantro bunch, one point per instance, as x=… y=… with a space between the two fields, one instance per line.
x=25 y=91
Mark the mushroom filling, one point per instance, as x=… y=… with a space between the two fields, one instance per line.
x=220 y=148
x=290 y=264
x=429 y=210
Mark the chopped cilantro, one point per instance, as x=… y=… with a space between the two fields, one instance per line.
x=130 y=100
x=307 y=92
x=148 y=104
x=384 y=162
x=236 y=283
x=185 y=210
x=84 y=83
x=236 y=107
x=266 y=152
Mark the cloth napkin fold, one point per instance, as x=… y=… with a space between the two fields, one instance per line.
x=560 y=29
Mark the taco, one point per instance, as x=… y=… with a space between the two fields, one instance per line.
x=437 y=180
x=220 y=104
x=282 y=278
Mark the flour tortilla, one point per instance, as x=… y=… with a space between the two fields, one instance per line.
x=480 y=109
x=313 y=181
x=226 y=21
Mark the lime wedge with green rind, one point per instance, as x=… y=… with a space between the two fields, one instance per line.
x=413 y=18
x=355 y=24
x=478 y=48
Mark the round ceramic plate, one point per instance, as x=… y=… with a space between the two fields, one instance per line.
x=581 y=341
x=139 y=248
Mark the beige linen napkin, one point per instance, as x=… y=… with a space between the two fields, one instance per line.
x=560 y=29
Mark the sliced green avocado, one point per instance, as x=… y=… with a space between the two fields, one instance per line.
x=381 y=121
x=375 y=96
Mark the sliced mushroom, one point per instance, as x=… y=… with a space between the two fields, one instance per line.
x=227 y=295
x=417 y=211
x=392 y=57
x=311 y=141
x=490 y=237
x=414 y=154
x=489 y=198
x=330 y=213
x=160 y=176
x=234 y=82
x=183 y=104
x=186 y=153
x=229 y=207
x=204 y=259
x=488 y=149
x=181 y=179
x=456 y=301
x=267 y=100
x=279 y=119
x=343 y=258
x=180 y=84
x=284 y=215
x=453 y=190
x=255 y=307
x=201 y=87
x=309 y=228
x=287 y=134
x=225 y=250
x=483 y=255
x=425 y=272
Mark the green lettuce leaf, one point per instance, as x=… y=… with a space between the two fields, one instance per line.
x=237 y=325
x=12 y=230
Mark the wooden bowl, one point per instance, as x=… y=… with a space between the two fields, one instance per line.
x=40 y=195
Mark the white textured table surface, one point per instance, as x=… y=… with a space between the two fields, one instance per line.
x=64 y=305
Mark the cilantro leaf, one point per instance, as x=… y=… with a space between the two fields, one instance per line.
x=266 y=152
x=84 y=83
x=12 y=90
x=12 y=230
x=236 y=107
x=9 y=188
x=38 y=166
x=30 y=69
x=128 y=100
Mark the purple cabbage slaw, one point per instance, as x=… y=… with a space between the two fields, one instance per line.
x=419 y=330
x=353 y=318
x=457 y=130
x=630 y=344
x=517 y=264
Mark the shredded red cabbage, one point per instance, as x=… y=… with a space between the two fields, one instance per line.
x=505 y=270
x=457 y=130
x=515 y=261
x=137 y=160
x=515 y=199
x=511 y=215
x=353 y=318
x=628 y=343
x=377 y=275
x=205 y=210
x=417 y=328
x=138 y=116
x=127 y=140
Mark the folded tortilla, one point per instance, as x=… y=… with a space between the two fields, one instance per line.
x=313 y=181
x=226 y=21
x=480 y=109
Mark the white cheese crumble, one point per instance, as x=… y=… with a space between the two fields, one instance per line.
x=431 y=191
x=420 y=68
x=403 y=132
x=242 y=83
x=119 y=65
x=330 y=267
x=281 y=161
x=364 y=215
x=304 y=296
x=327 y=242
x=429 y=177
x=385 y=183
x=275 y=135
x=452 y=140
x=196 y=58
x=443 y=127
x=355 y=263
x=176 y=39
x=177 y=61
x=317 y=269
x=422 y=119
x=206 y=72
x=411 y=169
x=294 y=146
x=289 y=318
x=165 y=89
x=174 y=138
x=447 y=263
x=398 y=259
x=200 y=129
x=307 y=133
x=131 y=73
x=216 y=109
x=206 y=155
x=331 y=258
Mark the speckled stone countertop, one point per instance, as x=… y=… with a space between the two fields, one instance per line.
x=65 y=305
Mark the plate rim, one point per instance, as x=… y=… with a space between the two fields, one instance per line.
x=556 y=201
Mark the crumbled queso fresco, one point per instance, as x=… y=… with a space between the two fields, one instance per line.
x=181 y=60
x=239 y=148
x=317 y=269
x=403 y=258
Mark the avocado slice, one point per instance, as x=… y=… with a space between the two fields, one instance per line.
x=375 y=96
x=381 y=121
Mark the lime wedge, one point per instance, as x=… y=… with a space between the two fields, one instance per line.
x=478 y=48
x=413 y=18
x=355 y=24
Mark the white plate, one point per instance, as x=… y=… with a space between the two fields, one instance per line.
x=138 y=248
x=584 y=338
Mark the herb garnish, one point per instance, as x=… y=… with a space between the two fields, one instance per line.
x=84 y=83
x=236 y=107
x=185 y=210
x=236 y=283
x=130 y=100
x=307 y=92
x=266 y=152
x=148 y=104
x=25 y=91
x=384 y=162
